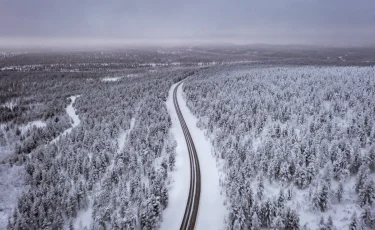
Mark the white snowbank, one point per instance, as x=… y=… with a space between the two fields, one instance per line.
x=111 y=79
x=38 y=124
x=84 y=219
x=178 y=189
x=211 y=211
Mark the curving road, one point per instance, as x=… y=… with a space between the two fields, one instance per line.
x=192 y=205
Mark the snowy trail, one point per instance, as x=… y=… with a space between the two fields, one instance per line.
x=72 y=114
x=123 y=136
x=212 y=212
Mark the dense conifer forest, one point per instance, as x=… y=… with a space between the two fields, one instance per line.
x=298 y=143
x=86 y=170
x=295 y=146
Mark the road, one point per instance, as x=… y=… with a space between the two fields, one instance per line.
x=192 y=204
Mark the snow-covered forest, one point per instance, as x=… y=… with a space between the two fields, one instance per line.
x=295 y=146
x=109 y=172
x=298 y=143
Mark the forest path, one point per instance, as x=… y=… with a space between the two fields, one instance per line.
x=73 y=115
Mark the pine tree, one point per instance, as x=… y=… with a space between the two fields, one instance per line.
x=172 y=160
x=322 y=224
x=329 y=224
x=356 y=162
x=291 y=220
x=250 y=197
x=260 y=188
x=300 y=178
x=367 y=193
x=368 y=217
x=361 y=178
x=321 y=198
x=290 y=193
x=71 y=226
x=284 y=172
x=354 y=224
x=267 y=212
x=340 y=191
x=255 y=223
x=164 y=197
x=277 y=223
x=281 y=200
x=239 y=220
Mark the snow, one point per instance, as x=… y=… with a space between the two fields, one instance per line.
x=12 y=185
x=212 y=212
x=10 y=104
x=178 y=189
x=132 y=75
x=84 y=217
x=111 y=79
x=342 y=59
x=38 y=124
x=123 y=135
x=114 y=79
x=72 y=114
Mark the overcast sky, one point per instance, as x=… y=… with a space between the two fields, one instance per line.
x=322 y=22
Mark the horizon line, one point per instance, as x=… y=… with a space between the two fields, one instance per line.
x=90 y=43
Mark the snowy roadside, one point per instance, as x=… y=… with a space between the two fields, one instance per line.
x=178 y=189
x=212 y=210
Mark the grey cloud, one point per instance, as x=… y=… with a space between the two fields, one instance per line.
x=278 y=21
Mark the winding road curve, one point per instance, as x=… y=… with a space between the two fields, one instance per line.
x=192 y=205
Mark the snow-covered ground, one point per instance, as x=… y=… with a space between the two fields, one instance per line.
x=117 y=78
x=72 y=114
x=12 y=178
x=123 y=135
x=342 y=59
x=179 y=187
x=11 y=104
x=111 y=79
x=12 y=185
x=212 y=212
x=37 y=123
x=84 y=217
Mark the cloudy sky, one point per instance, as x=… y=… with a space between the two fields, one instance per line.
x=322 y=22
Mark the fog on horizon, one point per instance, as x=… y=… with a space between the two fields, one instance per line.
x=63 y=23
